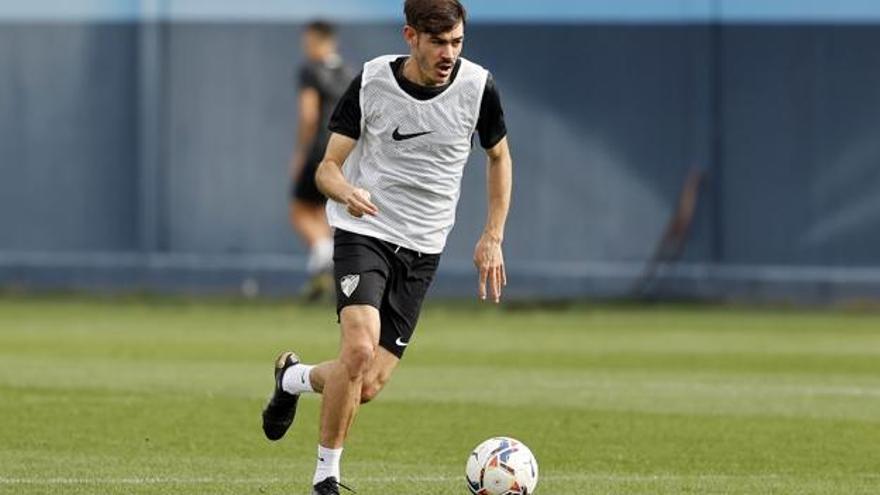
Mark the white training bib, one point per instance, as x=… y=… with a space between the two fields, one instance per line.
x=411 y=156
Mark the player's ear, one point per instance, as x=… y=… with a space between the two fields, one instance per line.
x=410 y=35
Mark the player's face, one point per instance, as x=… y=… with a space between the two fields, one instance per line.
x=436 y=54
x=309 y=44
x=315 y=46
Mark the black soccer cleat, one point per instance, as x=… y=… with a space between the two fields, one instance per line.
x=279 y=412
x=329 y=487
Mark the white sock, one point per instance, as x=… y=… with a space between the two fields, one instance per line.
x=297 y=379
x=328 y=464
x=321 y=256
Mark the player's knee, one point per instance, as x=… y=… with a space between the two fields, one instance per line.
x=357 y=360
x=370 y=390
x=368 y=394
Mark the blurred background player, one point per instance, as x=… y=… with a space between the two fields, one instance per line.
x=322 y=80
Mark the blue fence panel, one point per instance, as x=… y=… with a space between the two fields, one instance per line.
x=160 y=130
x=68 y=149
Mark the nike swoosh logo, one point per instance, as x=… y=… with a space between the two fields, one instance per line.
x=397 y=136
x=400 y=342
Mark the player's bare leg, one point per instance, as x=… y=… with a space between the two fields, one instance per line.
x=309 y=220
x=355 y=377
x=293 y=379
x=341 y=382
x=344 y=380
x=384 y=364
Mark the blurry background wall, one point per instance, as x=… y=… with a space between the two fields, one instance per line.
x=145 y=143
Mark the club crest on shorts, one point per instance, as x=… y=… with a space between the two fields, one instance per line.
x=349 y=283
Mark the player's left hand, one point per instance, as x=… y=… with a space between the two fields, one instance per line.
x=489 y=260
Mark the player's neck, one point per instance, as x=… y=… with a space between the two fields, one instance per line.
x=331 y=60
x=414 y=74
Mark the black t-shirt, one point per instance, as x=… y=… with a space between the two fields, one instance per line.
x=346 y=118
x=329 y=79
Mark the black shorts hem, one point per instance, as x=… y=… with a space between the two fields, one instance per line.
x=305 y=189
x=340 y=307
x=312 y=200
x=392 y=348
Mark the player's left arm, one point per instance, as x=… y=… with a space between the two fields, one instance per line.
x=488 y=255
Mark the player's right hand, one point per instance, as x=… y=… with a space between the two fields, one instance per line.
x=358 y=203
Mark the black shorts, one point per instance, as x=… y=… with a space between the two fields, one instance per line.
x=390 y=278
x=305 y=188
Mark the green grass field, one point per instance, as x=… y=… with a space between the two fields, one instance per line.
x=134 y=396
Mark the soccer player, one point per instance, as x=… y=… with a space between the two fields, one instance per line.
x=322 y=81
x=400 y=138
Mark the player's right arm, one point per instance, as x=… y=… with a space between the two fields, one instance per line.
x=345 y=129
x=332 y=183
x=308 y=120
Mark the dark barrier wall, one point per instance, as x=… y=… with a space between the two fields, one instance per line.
x=174 y=138
x=801 y=146
x=68 y=147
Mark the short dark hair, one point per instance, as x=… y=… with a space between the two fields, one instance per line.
x=434 y=16
x=322 y=28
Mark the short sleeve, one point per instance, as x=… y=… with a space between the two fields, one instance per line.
x=346 y=117
x=306 y=78
x=490 y=124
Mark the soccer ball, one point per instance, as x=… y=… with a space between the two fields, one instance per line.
x=502 y=466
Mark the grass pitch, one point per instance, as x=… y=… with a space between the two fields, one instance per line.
x=132 y=396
